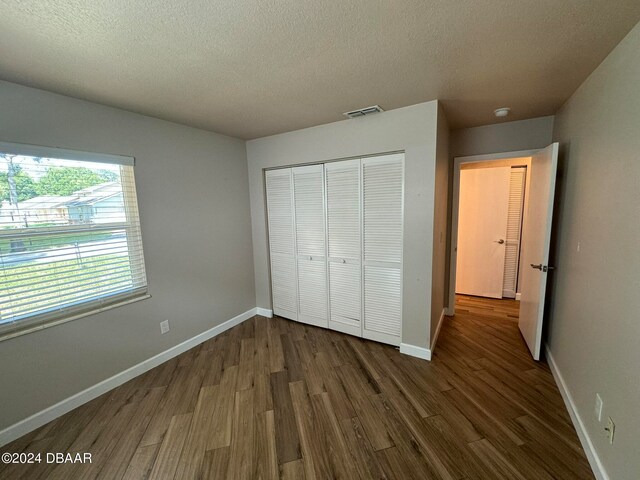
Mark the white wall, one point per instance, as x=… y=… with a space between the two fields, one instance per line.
x=194 y=211
x=502 y=137
x=440 y=256
x=594 y=327
x=412 y=129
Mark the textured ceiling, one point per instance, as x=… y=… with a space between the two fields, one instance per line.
x=254 y=68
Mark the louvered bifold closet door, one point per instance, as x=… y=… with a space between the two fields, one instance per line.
x=383 y=187
x=344 y=246
x=280 y=212
x=308 y=184
x=514 y=226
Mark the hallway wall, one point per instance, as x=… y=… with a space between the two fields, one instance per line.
x=502 y=137
x=594 y=325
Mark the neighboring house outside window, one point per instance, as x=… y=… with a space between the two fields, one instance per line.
x=70 y=240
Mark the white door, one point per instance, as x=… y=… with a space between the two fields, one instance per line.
x=536 y=239
x=308 y=184
x=279 y=187
x=482 y=228
x=383 y=187
x=344 y=246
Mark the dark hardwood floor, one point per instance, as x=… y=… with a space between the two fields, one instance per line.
x=272 y=398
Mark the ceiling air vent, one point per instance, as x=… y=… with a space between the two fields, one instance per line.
x=361 y=112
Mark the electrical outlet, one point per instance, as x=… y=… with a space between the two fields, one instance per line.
x=598 y=408
x=164 y=326
x=611 y=429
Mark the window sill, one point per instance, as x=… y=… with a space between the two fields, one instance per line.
x=52 y=323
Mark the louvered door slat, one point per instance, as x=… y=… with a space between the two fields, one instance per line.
x=309 y=208
x=343 y=209
x=312 y=280
x=382 y=299
x=344 y=246
x=280 y=213
x=383 y=190
x=283 y=284
x=514 y=225
x=308 y=184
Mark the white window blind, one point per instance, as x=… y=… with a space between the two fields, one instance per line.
x=70 y=239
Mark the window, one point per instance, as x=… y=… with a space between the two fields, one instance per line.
x=70 y=241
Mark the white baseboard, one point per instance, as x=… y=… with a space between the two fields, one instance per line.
x=36 y=420
x=415 y=351
x=421 y=352
x=435 y=336
x=518 y=296
x=585 y=440
x=264 y=312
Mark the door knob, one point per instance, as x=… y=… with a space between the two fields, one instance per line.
x=344 y=261
x=501 y=241
x=542 y=268
x=310 y=257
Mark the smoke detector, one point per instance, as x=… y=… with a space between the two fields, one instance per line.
x=502 y=112
x=361 y=112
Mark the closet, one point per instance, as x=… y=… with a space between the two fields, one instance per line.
x=335 y=241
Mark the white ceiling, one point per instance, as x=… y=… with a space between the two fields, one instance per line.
x=254 y=68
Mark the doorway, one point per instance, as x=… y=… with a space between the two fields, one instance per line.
x=496 y=249
x=492 y=202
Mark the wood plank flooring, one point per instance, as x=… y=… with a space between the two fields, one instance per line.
x=272 y=398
